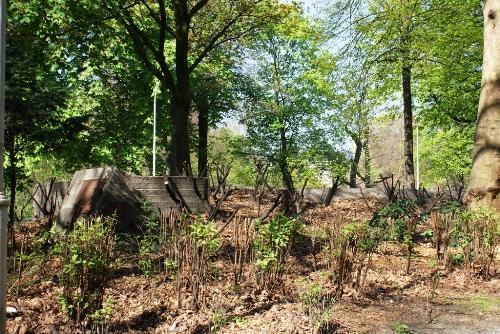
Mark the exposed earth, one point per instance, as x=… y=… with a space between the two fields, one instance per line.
x=389 y=301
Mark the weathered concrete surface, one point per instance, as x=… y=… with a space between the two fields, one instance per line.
x=49 y=196
x=172 y=192
x=101 y=191
x=109 y=190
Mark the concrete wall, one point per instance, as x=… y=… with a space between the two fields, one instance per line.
x=55 y=197
x=165 y=193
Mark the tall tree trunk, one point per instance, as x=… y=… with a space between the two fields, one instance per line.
x=180 y=162
x=355 y=163
x=286 y=174
x=367 y=155
x=202 y=140
x=13 y=186
x=408 y=118
x=484 y=186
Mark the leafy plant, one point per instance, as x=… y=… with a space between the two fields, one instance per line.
x=149 y=243
x=317 y=303
x=271 y=243
x=401 y=328
x=400 y=219
x=350 y=250
x=87 y=254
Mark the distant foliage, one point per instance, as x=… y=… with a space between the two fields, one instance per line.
x=445 y=154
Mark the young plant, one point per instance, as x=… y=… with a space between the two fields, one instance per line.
x=316 y=301
x=351 y=247
x=271 y=243
x=204 y=241
x=149 y=242
x=87 y=254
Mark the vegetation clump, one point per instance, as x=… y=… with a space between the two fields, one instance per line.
x=87 y=255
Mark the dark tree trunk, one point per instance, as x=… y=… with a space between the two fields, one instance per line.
x=406 y=76
x=368 y=158
x=408 y=126
x=13 y=186
x=180 y=162
x=355 y=163
x=202 y=140
x=286 y=174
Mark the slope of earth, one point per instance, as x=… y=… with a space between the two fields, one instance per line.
x=388 y=300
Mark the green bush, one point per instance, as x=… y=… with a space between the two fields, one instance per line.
x=271 y=243
x=149 y=243
x=87 y=255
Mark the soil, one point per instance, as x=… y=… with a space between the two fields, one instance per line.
x=389 y=300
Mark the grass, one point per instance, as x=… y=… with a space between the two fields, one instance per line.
x=481 y=303
x=401 y=328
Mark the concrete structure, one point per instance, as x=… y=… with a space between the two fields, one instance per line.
x=109 y=190
x=49 y=197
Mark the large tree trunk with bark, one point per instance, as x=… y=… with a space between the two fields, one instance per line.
x=202 y=140
x=180 y=162
x=484 y=186
x=12 y=171
x=286 y=175
x=408 y=117
x=355 y=163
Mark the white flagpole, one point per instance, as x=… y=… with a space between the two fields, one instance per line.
x=154 y=134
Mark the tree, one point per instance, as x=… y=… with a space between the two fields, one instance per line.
x=395 y=37
x=173 y=37
x=215 y=87
x=292 y=91
x=36 y=122
x=484 y=187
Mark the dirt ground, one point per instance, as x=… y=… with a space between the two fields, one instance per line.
x=388 y=302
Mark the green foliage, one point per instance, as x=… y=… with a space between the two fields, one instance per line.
x=272 y=240
x=87 y=255
x=205 y=235
x=149 y=243
x=317 y=304
x=445 y=155
x=225 y=146
x=401 y=328
x=361 y=236
x=290 y=92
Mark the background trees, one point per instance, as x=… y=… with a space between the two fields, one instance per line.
x=80 y=77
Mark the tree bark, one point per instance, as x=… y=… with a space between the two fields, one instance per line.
x=355 y=163
x=180 y=162
x=408 y=116
x=368 y=158
x=286 y=174
x=484 y=186
x=11 y=150
x=202 y=140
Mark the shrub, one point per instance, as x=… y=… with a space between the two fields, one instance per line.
x=149 y=242
x=351 y=247
x=271 y=244
x=400 y=219
x=87 y=257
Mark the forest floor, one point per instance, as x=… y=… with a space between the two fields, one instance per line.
x=389 y=301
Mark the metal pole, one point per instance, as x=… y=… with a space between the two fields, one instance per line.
x=418 y=160
x=4 y=203
x=154 y=134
